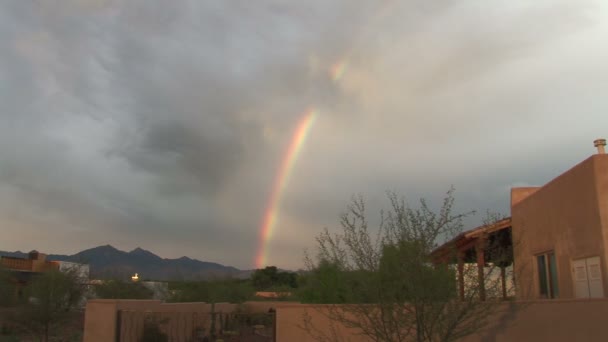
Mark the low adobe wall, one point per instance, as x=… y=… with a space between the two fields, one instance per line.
x=101 y=315
x=290 y=320
x=548 y=320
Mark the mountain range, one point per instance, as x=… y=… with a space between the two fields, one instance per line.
x=109 y=262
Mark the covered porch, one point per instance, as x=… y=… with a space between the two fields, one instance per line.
x=490 y=244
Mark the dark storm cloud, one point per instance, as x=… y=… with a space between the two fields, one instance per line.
x=183 y=95
x=185 y=159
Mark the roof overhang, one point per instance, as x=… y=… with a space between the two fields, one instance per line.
x=467 y=240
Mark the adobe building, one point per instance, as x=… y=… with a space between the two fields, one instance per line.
x=22 y=269
x=560 y=233
x=556 y=240
x=36 y=262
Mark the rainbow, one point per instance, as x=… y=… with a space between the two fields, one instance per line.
x=282 y=180
x=337 y=70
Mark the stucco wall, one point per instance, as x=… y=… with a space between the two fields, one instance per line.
x=601 y=188
x=290 y=324
x=101 y=316
x=546 y=320
x=521 y=193
x=562 y=216
x=100 y=321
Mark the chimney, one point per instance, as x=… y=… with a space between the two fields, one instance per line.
x=600 y=143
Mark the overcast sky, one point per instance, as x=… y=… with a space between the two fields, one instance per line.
x=162 y=124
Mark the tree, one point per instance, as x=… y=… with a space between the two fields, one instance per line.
x=52 y=295
x=7 y=288
x=388 y=286
x=327 y=283
x=221 y=290
x=270 y=278
x=117 y=289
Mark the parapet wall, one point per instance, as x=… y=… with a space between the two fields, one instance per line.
x=545 y=320
x=105 y=319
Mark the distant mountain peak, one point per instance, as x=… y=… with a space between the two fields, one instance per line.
x=139 y=250
x=109 y=262
x=102 y=248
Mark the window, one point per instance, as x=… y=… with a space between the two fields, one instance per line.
x=547 y=275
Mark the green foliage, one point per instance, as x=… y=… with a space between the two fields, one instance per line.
x=270 y=278
x=326 y=283
x=7 y=332
x=407 y=275
x=404 y=274
x=117 y=289
x=216 y=291
x=9 y=338
x=7 y=288
x=393 y=290
x=53 y=294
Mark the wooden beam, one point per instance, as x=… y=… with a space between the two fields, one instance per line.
x=468 y=245
x=461 y=276
x=503 y=278
x=480 y=251
x=490 y=228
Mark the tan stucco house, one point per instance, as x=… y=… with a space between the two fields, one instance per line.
x=558 y=234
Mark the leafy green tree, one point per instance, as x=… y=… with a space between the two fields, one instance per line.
x=270 y=278
x=216 y=291
x=7 y=288
x=392 y=289
x=52 y=295
x=326 y=283
x=262 y=279
x=117 y=289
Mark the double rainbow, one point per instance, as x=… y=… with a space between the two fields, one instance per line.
x=336 y=73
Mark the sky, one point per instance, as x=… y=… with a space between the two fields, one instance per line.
x=164 y=124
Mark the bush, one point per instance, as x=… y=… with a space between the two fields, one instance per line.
x=218 y=291
x=152 y=332
x=116 y=289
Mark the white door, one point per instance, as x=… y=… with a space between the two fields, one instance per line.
x=581 y=284
x=587 y=274
x=594 y=274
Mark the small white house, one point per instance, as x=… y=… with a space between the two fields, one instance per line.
x=82 y=270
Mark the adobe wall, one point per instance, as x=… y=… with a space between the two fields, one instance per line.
x=100 y=321
x=101 y=316
x=601 y=176
x=290 y=324
x=521 y=193
x=562 y=216
x=546 y=320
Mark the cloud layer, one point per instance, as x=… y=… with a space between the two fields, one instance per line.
x=162 y=125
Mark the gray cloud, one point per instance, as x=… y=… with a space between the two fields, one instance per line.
x=143 y=123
